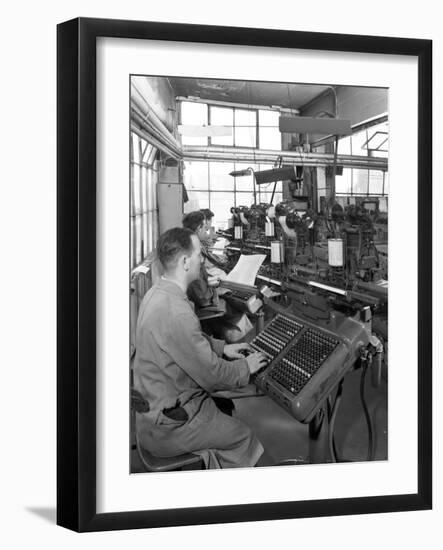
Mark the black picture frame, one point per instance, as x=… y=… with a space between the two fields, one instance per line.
x=76 y=278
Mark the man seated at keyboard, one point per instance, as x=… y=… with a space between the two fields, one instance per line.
x=177 y=368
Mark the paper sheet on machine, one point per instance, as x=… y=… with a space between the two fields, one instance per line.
x=245 y=270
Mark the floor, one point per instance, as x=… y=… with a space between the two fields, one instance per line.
x=285 y=438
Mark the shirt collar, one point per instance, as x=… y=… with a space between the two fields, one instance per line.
x=172 y=287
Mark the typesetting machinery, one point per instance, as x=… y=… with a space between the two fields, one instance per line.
x=326 y=296
x=308 y=359
x=342 y=248
x=311 y=344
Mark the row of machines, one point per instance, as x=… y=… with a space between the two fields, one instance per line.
x=342 y=247
x=340 y=243
x=324 y=287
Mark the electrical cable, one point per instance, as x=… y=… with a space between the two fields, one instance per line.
x=366 y=411
x=334 y=454
x=331 y=442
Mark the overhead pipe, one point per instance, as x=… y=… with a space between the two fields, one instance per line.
x=146 y=123
x=150 y=130
x=151 y=139
x=236 y=154
x=142 y=106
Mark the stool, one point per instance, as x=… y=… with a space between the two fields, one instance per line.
x=153 y=463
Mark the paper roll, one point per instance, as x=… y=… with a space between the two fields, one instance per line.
x=269 y=229
x=277 y=255
x=335 y=252
x=238 y=232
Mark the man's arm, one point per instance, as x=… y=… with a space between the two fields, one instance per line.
x=217 y=345
x=193 y=352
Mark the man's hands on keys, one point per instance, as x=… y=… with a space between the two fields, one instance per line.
x=237 y=351
x=255 y=359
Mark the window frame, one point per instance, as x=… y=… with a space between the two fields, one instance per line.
x=235 y=108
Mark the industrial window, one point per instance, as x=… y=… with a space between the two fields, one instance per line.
x=209 y=185
x=222 y=116
x=362 y=182
x=373 y=142
x=144 y=220
x=269 y=136
x=244 y=127
x=194 y=114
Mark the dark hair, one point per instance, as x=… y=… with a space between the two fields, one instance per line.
x=208 y=214
x=173 y=242
x=193 y=220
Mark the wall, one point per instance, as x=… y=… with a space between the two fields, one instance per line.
x=29 y=286
x=353 y=103
x=158 y=93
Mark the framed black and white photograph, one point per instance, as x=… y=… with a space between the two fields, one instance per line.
x=231 y=232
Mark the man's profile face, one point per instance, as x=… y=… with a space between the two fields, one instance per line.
x=201 y=230
x=195 y=259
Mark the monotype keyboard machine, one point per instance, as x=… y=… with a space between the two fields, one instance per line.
x=307 y=360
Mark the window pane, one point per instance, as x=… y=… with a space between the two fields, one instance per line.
x=145 y=243
x=221 y=204
x=268 y=118
x=146 y=151
x=375 y=182
x=270 y=138
x=360 y=181
x=358 y=140
x=135 y=149
x=344 y=146
x=383 y=204
x=222 y=116
x=244 y=183
x=132 y=242
x=245 y=128
x=378 y=143
x=195 y=114
x=243 y=117
x=144 y=189
x=138 y=239
x=223 y=140
x=244 y=199
x=195 y=175
x=343 y=184
x=265 y=166
x=379 y=154
x=219 y=178
x=245 y=137
x=192 y=140
x=265 y=189
x=386 y=183
x=197 y=200
x=135 y=191
x=151 y=225
x=151 y=191
x=377 y=140
x=265 y=197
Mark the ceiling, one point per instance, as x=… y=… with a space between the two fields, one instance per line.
x=291 y=96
